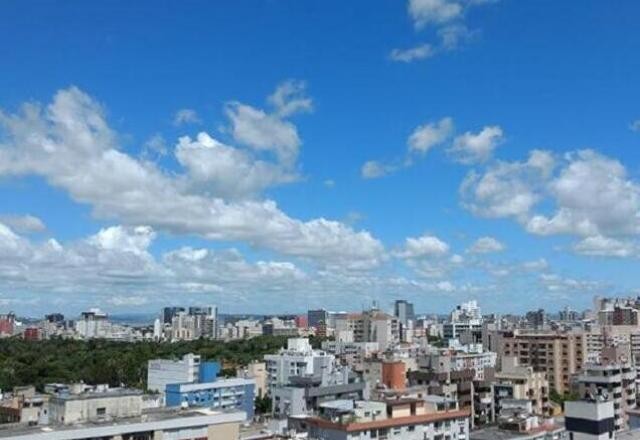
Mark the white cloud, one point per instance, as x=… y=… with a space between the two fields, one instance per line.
x=635 y=125
x=271 y=132
x=227 y=171
x=452 y=36
x=186 y=116
x=593 y=196
x=486 y=245
x=72 y=147
x=508 y=189
x=425 y=12
x=374 y=169
x=536 y=265
x=23 y=223
x=560 y=285
x=419 y=52
x=156 y=145
x=126 y=239
x=447 y=17
x=263 y=132
x=588 y=195
x=424 y=246
x=289 y=98
x=429 y=135
x=470 y=148
x=605 y=247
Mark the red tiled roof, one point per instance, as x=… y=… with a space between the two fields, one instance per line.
x=390 y=422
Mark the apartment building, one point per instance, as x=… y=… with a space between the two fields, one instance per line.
x=590 y=419
x=558 y=355
x=614 y=378
x=256 y=371
x=221 y=394
x=298 y=359
x=401 y=419
x=304 y=395
x=161 y=372
x=371 y=326
x=517 y=382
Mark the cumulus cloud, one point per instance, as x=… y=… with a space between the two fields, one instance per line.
x=419 y=52
x=186 y=116
x=420 y=141
x=126 y=239
x=593 y=196
x=447 y=17
x=429 y=135
x=114 y=267
x=290 y=98
x=585 y=194
x=271 y=132
x=71 y=146
x=23 y=223
x=471 y=148
x=605 y=247
x=374 y=169
x=227 y=171
x=424 y=246
x=508 y=189
x=425 y=12
x=486 y=245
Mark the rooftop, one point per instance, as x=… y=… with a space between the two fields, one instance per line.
x=164 y=418
x=495 y=433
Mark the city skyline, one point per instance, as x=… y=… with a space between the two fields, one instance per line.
x=286 y=156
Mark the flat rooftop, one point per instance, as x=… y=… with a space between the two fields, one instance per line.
x=495 y=433
x=160 y=418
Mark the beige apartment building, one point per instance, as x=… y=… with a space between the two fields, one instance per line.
x=517 y=382
x=558 y=355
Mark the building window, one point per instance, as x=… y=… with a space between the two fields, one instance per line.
x=101 y=411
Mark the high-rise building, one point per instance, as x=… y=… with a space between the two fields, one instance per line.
x=205 y=321
x=517 y=382
x=316 y=317
x=168 y=313
x=403 y=310
x=558 y=355
x=536 y=319
x=613 y=377
x=92 y=324
x=371 y=326
x=298 y=359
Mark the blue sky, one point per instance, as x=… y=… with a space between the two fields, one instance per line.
x=337 y=153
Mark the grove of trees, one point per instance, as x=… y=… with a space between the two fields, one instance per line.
x=116 y=363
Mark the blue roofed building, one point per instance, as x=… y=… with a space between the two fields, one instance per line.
x=234 y=393
x=196 y=384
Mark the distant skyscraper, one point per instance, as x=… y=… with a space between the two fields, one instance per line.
x=403 y=310
x=168 y=313
x=315 y=317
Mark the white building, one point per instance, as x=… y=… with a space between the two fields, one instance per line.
x=401 y=419
x=298 y=359
x=161 y=372
x=93 y=324
x=590 y=419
